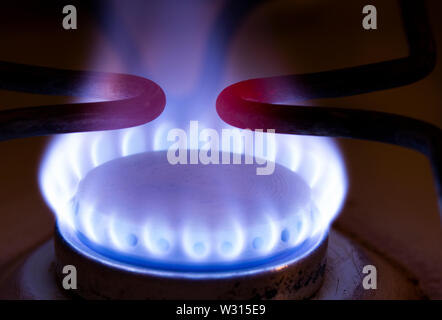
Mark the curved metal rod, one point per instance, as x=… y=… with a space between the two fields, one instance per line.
x=252 y=103
x=126 y=101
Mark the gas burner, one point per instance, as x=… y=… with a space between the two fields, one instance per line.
x=144 y=211
x=143 y=218
x=124 y=212
x=297 y=274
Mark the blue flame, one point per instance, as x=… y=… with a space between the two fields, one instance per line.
x=154 y=242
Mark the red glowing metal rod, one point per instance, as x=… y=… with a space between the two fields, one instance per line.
x=126 y=101
x=252 y=103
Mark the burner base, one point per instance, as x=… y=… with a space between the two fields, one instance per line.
x=296 y=279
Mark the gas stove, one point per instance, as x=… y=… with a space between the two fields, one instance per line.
x=203 y=161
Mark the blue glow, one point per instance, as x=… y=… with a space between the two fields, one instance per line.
x=285 y=235
x=158 y=267
x=155 y=242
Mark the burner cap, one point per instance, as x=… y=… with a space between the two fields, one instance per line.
x=143 y=211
